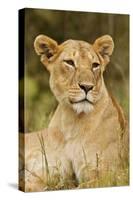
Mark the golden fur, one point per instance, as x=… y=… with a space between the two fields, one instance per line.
x=87 y=132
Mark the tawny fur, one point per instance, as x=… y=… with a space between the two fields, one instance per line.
x=83 y=137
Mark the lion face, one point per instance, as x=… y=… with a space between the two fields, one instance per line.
x=76 y=69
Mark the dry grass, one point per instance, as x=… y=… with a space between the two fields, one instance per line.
x=54 y=180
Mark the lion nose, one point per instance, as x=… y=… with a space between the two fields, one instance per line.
x=86 y=87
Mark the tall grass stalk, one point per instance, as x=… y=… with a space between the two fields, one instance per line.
x=41 y=140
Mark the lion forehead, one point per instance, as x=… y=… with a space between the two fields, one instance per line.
x=78 y=49
x=76 y=45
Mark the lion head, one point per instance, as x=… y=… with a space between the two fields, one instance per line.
x=76 y=69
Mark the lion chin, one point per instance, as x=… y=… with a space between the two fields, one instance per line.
x=83 y=107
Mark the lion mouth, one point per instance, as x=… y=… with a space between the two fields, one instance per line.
x=82 y=106
x=81 y=101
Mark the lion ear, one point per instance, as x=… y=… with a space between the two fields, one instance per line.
x=46 y=47
x=104 y=46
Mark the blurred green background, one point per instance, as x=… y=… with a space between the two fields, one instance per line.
x=62 y=25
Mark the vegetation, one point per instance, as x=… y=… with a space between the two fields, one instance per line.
x=53 y=180
x=40 y=102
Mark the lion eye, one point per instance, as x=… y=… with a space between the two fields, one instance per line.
x=69 y=62
x=95 y=66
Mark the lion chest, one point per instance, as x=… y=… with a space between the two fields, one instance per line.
x=95 y=146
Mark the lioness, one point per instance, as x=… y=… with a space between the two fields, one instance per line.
x=87 y=137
